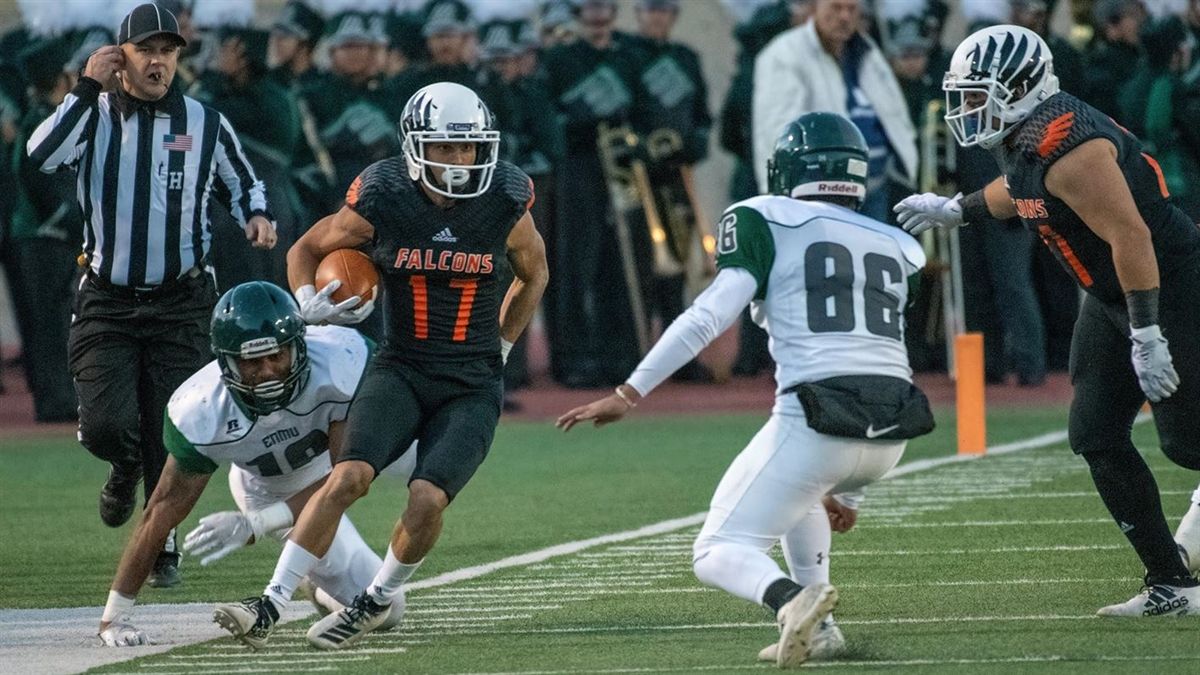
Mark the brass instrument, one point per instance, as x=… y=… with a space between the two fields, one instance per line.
x=617 y=146
x=687 y=236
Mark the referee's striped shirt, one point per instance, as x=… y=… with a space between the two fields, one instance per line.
x=146 y=172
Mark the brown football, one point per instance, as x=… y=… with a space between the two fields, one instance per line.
x=355 y=270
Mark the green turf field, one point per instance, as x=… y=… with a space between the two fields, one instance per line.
x=989 y=566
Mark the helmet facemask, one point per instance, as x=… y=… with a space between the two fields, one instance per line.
x=1011 y=69
x=266 y=397
x=456 y=181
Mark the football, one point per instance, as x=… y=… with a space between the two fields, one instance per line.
x=354 y=269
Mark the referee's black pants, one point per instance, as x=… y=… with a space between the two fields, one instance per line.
x=128 y=353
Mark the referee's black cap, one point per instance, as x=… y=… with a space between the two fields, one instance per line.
x=147 y=20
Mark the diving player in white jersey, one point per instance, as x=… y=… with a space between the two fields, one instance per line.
x=272 y=405
x=830 y=287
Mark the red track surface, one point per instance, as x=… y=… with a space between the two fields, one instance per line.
x=546 y=400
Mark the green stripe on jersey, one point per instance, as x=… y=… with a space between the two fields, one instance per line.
x=744 y=240
x=186 y=455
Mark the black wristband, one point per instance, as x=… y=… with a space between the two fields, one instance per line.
x=974 y=208
x=1143 y=307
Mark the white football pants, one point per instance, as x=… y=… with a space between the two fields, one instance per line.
x=773 y=491
x=347 y=568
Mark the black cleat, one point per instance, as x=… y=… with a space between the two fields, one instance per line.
x=250 y=620
x=119 y=493
x=166 y=571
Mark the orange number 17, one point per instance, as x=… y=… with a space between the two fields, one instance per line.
x=420 y=290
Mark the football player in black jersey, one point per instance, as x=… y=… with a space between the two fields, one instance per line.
x=439 y=221
x=1084 y=185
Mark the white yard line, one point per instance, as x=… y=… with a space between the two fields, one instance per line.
x=38 y=639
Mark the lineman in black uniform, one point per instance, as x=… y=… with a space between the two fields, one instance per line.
x=1084 y=185
x=439 y=222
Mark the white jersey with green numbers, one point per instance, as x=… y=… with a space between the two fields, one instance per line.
x=285 y=450
x=832 y=285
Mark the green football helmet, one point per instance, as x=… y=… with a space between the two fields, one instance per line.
x=818 y=155
x=252 y=320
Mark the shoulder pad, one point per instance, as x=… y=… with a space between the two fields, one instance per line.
x=513 y=183
x=374 y=183
x=338 y=357
x=1058 y=126
x=201 y=405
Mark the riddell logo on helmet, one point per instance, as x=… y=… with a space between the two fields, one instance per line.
x=838 y=188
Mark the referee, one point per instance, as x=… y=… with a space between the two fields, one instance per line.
x=148 y=160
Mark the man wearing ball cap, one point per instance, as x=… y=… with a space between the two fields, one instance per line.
x=147 y=159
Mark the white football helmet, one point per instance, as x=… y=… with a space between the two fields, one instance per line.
x=441 y=112
x=1012 y=68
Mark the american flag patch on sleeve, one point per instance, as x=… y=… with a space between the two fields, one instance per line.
x=181 y=142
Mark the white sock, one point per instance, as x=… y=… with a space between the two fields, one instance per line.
x=1188 y=534
x=390 y=577
x=294 y=564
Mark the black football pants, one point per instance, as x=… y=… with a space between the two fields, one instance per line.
x=128 y=353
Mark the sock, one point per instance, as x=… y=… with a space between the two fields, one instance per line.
x=390 y=577
x=1128 y=489
x=294 y=564
x=779 y=593
x=1187 y=535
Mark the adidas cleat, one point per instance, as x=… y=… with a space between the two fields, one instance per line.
x=344 y=628
x=1158 y=600
x=800 y=621
x=250 y=620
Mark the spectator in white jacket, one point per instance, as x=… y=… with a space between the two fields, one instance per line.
x=826 y=65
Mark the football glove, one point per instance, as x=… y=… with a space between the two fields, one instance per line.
x=917 y=213
x=1152 y=362
x=218 y=535
x=121 y=634
x=317 y=308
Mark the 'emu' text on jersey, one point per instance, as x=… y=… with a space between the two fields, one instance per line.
x=832 y=286
x=1055 y=128
x=440 y=268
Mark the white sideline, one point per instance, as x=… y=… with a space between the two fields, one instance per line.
x=55 y=641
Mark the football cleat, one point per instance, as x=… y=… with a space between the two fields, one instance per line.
x=344 y=628
x=250 y=620
x=119 y=493
x=828 y=643
x=1158 y=600
x=800 y=620
x=166 y=571
x=326 y=604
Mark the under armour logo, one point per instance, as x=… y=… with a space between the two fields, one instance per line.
x=232 y=426
x=820 y=557
x=445 y=236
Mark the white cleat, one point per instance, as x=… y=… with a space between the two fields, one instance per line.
x=250 y=620
x=1158 y=600
x=799 y=621
x=351 y=624
x=326 y=604
x=828 y=644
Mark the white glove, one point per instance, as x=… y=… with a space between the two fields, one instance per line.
x=121 y=634
x=917 y=213
x=1152 y=362
x=505 y=348
x=316 y=307
x=218 y=535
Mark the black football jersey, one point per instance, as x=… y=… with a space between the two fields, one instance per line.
x=1056 y=127
x=440 y=268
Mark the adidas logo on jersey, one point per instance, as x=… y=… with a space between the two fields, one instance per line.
x=445 y=236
